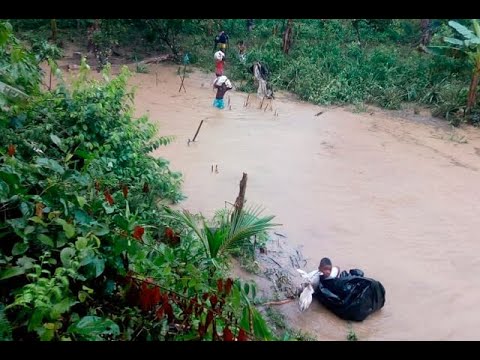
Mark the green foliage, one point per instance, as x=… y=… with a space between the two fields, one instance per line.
x=5 y=327
x=89 y=250
x=20 y=74
x=231 y=229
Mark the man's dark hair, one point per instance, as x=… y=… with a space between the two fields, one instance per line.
x=325 y=262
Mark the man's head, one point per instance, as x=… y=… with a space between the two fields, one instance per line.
x=325 y=266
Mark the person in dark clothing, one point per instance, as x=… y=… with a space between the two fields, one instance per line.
x=221 y=40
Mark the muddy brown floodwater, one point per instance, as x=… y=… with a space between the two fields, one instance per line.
x=396 y=197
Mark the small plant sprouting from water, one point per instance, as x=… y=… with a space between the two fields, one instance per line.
x=351 y=336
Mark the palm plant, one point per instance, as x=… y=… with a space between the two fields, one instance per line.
x=468 y=47
x=232 y=230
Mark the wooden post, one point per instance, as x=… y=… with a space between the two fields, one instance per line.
x=183 y=78
x=238 y=206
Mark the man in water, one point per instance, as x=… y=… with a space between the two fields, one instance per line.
x=222 y=84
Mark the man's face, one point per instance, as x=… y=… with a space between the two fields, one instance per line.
x=326 y=270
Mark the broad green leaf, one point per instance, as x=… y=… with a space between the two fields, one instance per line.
x=56 y=140
x=51 y=164
x=121 y=222
x=4 y=191
x=19 y=248
x=37 y=220
x=25 y=262
x=81 y=243
x=13 y=180
x=82 y=296
x=47 y=240
x=29 y=229
x=66 y=256
x=44 y=333
x=81 y=217
x=100 y=230
x=11 y=272
x=36 y=319
x=25 y=209
x=259 y=325
x=99 y=266
x=92 y=327
x=108 y=209
x=453 y=41
x=81 y=201
x=61 y=239
x=464 y=31
x=245 y=320
x=246 y=288
x=476 y=27
x=62 y=307
x=69 y=229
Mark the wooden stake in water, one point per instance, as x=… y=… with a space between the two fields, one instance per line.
x=186 y=60
x=198 y=129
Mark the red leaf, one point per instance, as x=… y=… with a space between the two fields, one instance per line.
x=201 y=330
x=160 y=312
x=138 y=232
x=169 y=312
x=227 y=334
x=169 y=233
x=11 y=150
x=213 y=300
x=220 y=285
x=205 y=296
x=228 y=286
x=209 y=318
x=125 y=191
x=171 y=236
x=242 y=335
x=175 y=240
x=108 y=197
x=156 y=296
x=165 y=298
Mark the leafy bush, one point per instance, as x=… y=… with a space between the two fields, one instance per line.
x=89 y=250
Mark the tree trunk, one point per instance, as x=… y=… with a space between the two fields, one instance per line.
x=426 y=32
x=355 y=24
x=287 y=36
x=53 y=23
x=238 y=206
x=472 y=92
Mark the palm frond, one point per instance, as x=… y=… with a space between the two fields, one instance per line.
x=246 y=224
x=190 y=222
x=463 y=30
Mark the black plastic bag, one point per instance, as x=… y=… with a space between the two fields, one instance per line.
x=351 y=296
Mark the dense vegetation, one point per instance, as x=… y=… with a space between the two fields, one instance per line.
x=387 y=62
x=89 y=248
